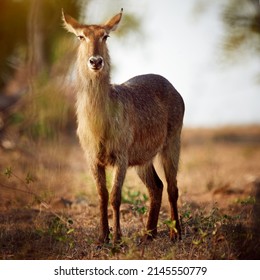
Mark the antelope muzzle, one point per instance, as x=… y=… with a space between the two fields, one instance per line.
x=96 y=63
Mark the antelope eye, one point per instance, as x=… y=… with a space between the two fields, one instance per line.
x=105 y=37
x=81 y=38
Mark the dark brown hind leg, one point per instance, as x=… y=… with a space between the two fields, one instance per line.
x=173 y=194
x=170 y=159
x=152 y=181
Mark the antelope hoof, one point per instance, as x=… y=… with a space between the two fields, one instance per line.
x=103 y=239
x=149 y=236
x=174 y=236
x=117 y=237
x=117 y=240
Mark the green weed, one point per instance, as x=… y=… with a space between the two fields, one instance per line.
x=249 y=200
x=61 y=230
x=137 y=200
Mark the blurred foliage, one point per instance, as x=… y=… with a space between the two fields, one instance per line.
x=200 y=7
x=13 y=16
x=242 y=21
x=131 y=24
x=15 y=22
x=48 y=114
x=32 y=28
x=241 y=27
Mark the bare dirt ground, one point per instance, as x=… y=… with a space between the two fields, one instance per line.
x=49 y=206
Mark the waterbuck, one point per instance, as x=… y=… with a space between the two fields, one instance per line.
x=125 y=125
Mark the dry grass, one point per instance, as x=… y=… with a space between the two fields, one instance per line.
x=54 y=214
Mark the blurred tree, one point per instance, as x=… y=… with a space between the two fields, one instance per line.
x=242 y=22
x=241 y=19
x=12 y=34
x=29 y=32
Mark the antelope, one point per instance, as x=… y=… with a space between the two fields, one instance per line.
x=125 y=125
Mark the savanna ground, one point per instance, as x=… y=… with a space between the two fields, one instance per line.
x=49 y=206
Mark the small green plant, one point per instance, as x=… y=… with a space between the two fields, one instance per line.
x=25 y=182
x=137 y=199
x=8 y=172
x=29 y=178
x=60 y=229
x=201 y=238
x=171 y=225
x=249 y=200
x=134 y=197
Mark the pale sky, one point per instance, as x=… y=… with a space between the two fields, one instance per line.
x=186 y=49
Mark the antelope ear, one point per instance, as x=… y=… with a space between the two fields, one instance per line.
x=112 y=24
x=70 y=24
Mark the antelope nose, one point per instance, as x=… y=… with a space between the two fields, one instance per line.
x=96 y=62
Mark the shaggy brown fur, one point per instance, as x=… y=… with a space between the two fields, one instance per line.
x=125 y=125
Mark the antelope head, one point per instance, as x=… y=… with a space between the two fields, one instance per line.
x=93 y=53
